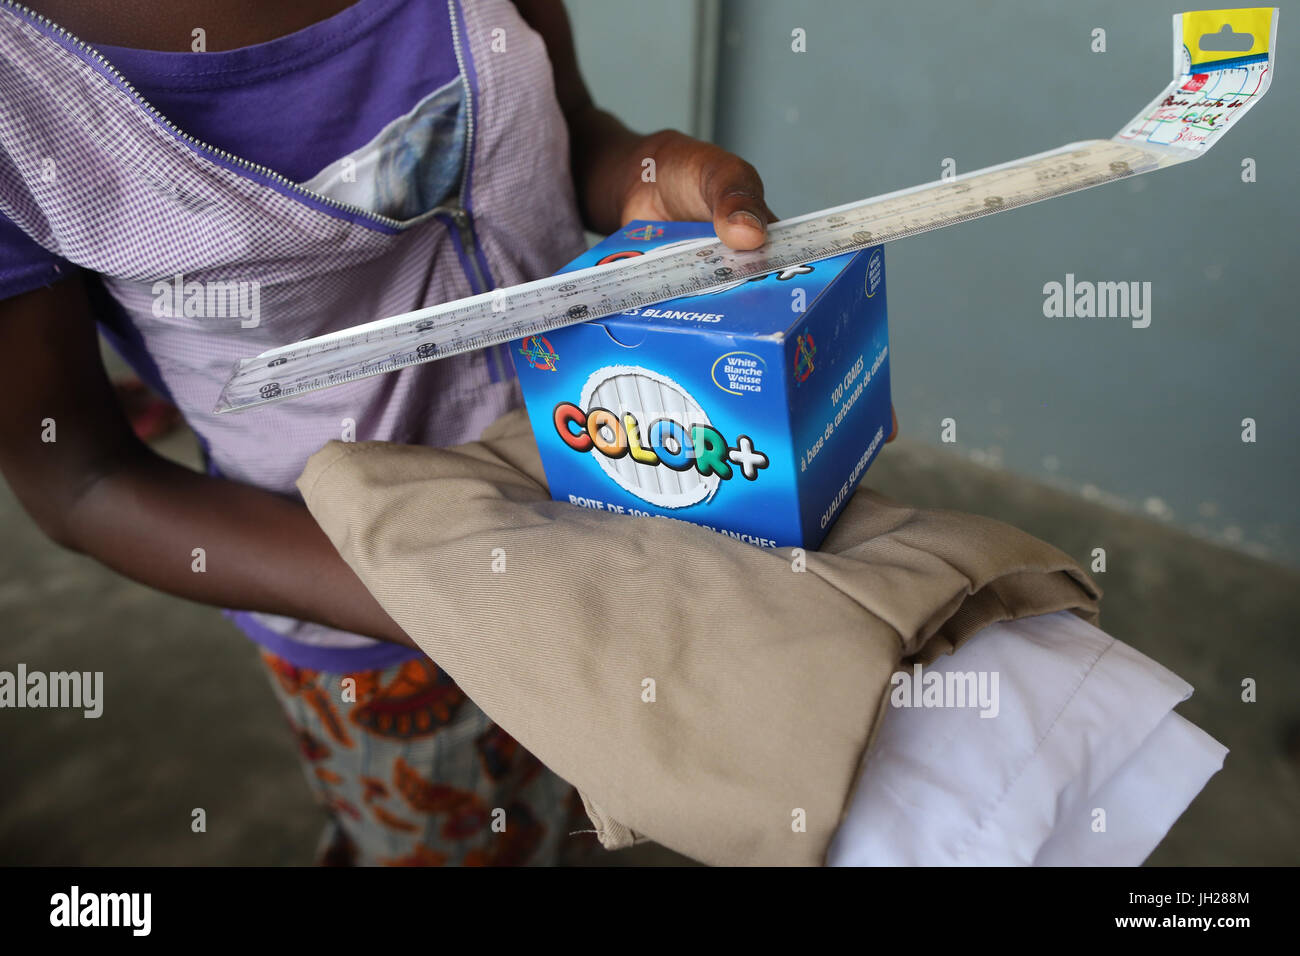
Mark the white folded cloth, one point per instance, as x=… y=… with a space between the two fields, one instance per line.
x=1080 y=762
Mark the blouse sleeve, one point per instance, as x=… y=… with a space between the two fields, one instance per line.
x=24 y=264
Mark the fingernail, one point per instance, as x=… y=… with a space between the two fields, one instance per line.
x=743 y=217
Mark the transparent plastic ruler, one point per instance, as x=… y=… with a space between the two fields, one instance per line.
x=1202 y=102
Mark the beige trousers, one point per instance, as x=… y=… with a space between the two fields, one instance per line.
x=701 y=692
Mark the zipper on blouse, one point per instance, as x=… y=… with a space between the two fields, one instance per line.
x=469 y=102
x=458 y=213
x=464 y=224
x=222 y=154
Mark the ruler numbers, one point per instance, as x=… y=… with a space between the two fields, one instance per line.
x=692 y=268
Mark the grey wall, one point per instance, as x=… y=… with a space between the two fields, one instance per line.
x=1143 y=418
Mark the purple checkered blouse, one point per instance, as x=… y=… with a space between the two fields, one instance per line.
x=439 y=169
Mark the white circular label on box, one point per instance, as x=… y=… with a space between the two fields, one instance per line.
x=649 y=396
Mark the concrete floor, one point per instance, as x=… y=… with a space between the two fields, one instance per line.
x=190 y=721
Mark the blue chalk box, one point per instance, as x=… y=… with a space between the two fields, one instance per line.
x=753 y=411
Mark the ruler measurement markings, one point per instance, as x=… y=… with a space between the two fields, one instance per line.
x=692 y=270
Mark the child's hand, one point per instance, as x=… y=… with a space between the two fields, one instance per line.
x=698 y=181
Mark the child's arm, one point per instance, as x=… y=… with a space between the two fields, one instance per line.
x=98 y=490
x=693 y=180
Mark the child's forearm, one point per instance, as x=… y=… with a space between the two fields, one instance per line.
x=222 y=543
x=606 y=165
x=73 y=462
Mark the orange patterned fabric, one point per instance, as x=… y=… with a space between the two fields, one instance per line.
x=413 y=774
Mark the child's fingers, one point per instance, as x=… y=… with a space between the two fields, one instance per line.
x=733 y=193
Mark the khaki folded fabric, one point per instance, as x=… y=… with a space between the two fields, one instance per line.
x=699 y=691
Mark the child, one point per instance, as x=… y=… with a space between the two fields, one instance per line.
x=320 y=164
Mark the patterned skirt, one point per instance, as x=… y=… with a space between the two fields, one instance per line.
x=414 y=774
